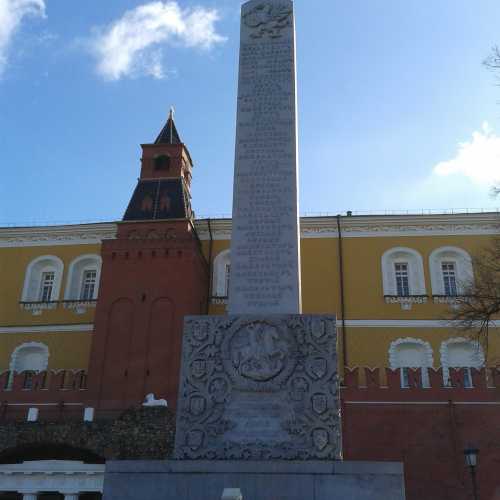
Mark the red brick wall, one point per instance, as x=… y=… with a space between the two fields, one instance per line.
x=427 y=429
x=147 y=288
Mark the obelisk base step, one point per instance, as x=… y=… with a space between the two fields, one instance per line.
x=260 y=480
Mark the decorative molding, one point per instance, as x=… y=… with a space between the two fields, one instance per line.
x=406 y=301
x=359 y=323
x=405 y=323
x=36 y=307
x=478 y=357
x=79 y=306
x=416 y=277
x=84 y=327
x=453 y=300
x=27 y=345
x=409 y=340
x=75 y=275
x=463 y=266
x=361 y=226
x=34 y=273
x=78 y=234
x=364 y=226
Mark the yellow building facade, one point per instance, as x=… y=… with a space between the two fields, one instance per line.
x=391 y=281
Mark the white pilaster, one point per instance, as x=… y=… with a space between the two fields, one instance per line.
x=71 y=496
x=29 y=496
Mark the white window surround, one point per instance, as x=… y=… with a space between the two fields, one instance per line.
x=76 y=271
x=415 y=270
x=463 y=268
x=472 y=355
x=29 y=353
x=423 y=357
x=219 y=288
x=34 y=272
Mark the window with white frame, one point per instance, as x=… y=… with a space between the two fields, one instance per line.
x=221 y=274
x=88 y=284
x=461 y=353
x=402 y=279
x=451 y=271
x=46 y=286
x=42 y=281
x=409 y=353
x=402 y=272
x=448 y=270
x=83 y=278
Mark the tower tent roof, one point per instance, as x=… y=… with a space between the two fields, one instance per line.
x=169 y=134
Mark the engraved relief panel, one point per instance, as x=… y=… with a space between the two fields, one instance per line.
x=259 y=387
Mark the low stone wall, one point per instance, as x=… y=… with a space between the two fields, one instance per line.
x=137 y=433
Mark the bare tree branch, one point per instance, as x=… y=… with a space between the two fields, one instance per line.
x=480 y=303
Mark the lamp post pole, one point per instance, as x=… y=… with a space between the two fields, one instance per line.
x=474 y=483
x=471 y=461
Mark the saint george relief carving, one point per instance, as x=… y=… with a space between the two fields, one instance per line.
x=256 y=388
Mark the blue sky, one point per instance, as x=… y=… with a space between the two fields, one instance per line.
x=396 y=111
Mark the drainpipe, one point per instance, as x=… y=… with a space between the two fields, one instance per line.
x=210 y=250
x=342 y=298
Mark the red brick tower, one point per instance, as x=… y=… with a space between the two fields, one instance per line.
x=153 y=275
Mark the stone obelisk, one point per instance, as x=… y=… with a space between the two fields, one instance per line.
x=262 y=381
x=265 y=251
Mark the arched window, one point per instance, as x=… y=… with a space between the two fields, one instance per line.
x=43 y=279
x=83 y=278
x=221 y=273
x=162 y=162
x=403 y=272
x=451 y=271
x=461 y=353
x=411 y=353
x=33 y=356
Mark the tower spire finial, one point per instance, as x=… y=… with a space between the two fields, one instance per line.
x=168 y=134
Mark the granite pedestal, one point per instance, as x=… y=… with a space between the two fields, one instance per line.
x=271 y=480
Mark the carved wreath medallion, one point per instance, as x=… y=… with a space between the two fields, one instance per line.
x=267 y=19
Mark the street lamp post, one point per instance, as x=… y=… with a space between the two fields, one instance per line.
x=471 y=461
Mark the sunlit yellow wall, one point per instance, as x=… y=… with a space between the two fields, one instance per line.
x=363 y=274
x=364 y=295
x=13 y=264
x=66 y=350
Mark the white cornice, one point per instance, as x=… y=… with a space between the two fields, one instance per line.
x=376 y=226
x=311 y=227
x=78 y=234
x=84 y=327
x=405 y=323
x=360 y=323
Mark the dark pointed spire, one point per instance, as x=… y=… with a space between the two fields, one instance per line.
x=169 y=134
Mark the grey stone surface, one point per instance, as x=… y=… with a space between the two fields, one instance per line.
x=265 y=252
x=256 y=387
x=269 y=480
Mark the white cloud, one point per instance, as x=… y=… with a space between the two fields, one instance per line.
x=12 y=13
x=132 y=45
x=477 y=160
x=463 y=181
